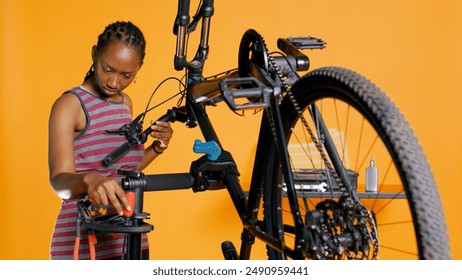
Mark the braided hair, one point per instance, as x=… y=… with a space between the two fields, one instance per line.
x=120 y=31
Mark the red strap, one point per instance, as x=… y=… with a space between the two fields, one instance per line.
x=91 y=243
x=76 y=248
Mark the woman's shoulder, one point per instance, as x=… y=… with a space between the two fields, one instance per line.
x=68 y=98
x=126 y=99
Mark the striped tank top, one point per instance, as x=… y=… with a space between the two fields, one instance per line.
x=90 y=147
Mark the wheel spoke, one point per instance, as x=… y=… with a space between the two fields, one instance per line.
x=382 y=222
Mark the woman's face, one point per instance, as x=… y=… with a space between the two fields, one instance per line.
x=115 y=69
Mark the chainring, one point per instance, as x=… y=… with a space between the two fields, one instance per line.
x=252 y=50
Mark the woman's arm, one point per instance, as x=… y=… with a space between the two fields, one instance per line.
x=66 y=120
x=63 y=123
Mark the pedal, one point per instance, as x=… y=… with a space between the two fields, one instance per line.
x=254 y=93
x=307 y=42
x=229 y=251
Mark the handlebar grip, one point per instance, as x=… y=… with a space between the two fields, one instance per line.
x=115 y=155
x=165 y=118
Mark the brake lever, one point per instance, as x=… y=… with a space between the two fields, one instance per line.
x=132 y=132
x=135 y=136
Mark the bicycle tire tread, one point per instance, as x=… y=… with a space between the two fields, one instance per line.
x=422 y=190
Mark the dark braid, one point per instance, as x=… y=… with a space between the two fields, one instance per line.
x=119 y=31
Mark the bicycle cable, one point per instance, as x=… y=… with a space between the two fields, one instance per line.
x=181 y=92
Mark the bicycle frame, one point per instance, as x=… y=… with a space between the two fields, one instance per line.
x=217 y=170
x=227 y=175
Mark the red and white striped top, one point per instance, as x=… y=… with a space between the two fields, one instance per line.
x=90 y=147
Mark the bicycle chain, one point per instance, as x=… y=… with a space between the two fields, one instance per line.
x=350 y=204
x=317 y=143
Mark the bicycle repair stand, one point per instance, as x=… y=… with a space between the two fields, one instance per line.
x=131 y=223
x=206 y=173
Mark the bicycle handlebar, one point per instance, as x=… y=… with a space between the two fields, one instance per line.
x=139 y=138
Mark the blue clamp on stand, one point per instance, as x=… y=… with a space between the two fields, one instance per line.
x=210 y=148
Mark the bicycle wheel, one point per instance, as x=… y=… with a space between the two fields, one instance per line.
x=404 y=217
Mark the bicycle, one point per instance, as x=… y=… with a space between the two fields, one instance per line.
x=343 y=175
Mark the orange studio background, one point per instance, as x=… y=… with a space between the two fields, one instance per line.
x=411 y=49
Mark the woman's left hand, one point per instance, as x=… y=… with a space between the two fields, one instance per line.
x=162 y=133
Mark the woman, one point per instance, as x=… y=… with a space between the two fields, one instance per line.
x=81 y=133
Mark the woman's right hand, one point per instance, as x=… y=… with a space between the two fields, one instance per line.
x=104 y=191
